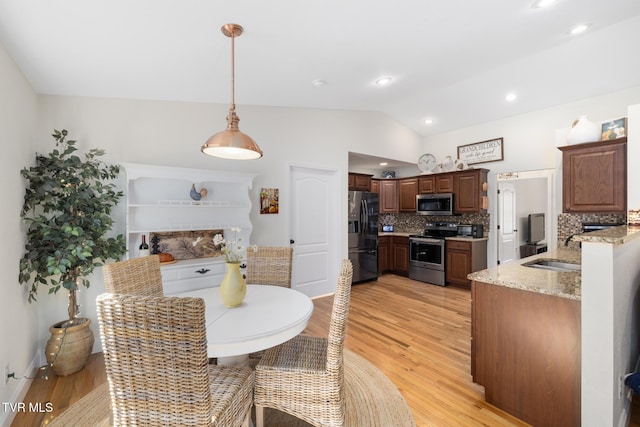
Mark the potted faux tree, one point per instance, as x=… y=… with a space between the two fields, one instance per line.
x=67 y=207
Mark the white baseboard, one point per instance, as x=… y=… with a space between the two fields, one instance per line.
x=7 y=415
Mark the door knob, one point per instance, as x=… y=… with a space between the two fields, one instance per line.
x=291 y=241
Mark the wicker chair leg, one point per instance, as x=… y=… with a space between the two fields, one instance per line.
x=259 y=416
x=247 y=419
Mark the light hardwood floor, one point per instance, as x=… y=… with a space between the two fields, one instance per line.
x=417 y=334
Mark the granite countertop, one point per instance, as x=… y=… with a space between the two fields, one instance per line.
x=614 y=235
x=398 y=233
x=468 y=239
x=515 y=275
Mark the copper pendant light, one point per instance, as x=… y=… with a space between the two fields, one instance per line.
x=231 y=143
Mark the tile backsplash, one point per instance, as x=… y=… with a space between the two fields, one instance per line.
x=570 y=224
x=412 y=223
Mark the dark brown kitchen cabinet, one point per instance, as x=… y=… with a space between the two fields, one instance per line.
x=529 y=365
x=408 y=189
x=594 y=177
x=359 y=182
x=388 y=196
x=427 y=184
x=400 y=255
x=445 y=183
x=463 y=258
x=375 y=185
x=437 y=183
x=470 y=194
x=384 y=254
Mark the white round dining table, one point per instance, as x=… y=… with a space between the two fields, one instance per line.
x=268 y=316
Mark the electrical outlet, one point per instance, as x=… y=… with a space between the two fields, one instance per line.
x=6 y=374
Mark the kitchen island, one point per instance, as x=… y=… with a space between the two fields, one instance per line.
x=526 y=339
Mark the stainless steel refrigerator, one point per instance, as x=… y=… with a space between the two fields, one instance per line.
x=363 y=235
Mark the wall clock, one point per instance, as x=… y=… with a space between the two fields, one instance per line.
x=427 y=162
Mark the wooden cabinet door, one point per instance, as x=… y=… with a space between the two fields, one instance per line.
x=408 y=189
x=594 y=177
x=427 y=185
x=458 y=263
x=388 y=196
x=466 y=188
x=445 y=183
x=384 y=244
x=401 y=255
x=359 y=182
x=375 y=185
x=468 y=191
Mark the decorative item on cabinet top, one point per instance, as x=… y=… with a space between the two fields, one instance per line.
x=614 y=129
x=583 y=130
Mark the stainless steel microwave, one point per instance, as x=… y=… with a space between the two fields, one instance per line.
x=434 y=204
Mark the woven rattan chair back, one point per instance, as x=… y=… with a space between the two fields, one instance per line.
x=155 y=352
x=304 y=376
x=136 y=276
x=339 y=315
x=270 y=265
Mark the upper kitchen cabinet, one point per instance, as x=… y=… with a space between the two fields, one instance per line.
x=359 y=182
x=388 y=196
x=375 y=185
x=594 y=177
x=408 y=189
x=437 y=183
x=469 y=188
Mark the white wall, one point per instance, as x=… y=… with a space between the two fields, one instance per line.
x=530 y=141
x=19 y=319
x=171 y=133
x=610 y=329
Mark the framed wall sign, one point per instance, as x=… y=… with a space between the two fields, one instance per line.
x=482 y=152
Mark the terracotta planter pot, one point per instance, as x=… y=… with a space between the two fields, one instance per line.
x=69 y=348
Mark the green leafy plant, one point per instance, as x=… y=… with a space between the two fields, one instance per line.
x=67 y=207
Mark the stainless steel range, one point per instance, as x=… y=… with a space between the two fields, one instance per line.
x=427 y=252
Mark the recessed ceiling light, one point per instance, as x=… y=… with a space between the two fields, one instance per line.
x=383 y=81
x=579 y=29
x=542 y=4
x=429 y=121
x=511 y=97
x=319 y=82
x=384 y=164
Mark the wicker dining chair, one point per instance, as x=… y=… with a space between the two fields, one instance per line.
x=304 y=376
x=136 y=276
x=269 y=265
x=155 y=352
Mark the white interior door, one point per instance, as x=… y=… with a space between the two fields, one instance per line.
x=507 y=232
x=315 y=229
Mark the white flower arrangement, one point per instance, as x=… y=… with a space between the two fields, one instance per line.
x=233 y=250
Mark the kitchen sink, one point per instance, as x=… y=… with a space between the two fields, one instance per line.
x=553 y=265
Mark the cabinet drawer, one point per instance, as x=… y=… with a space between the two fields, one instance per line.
x=458 y=245
x=178 y=278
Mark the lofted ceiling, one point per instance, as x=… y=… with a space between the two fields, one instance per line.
x=453 y=61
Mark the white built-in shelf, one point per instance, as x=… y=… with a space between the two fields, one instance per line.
x=158 y=200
